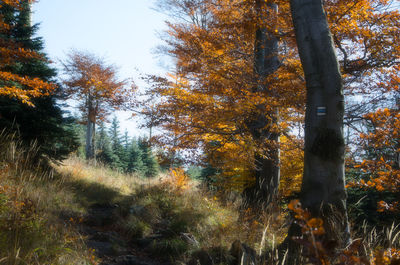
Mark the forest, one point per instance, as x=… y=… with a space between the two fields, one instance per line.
x=274 y=138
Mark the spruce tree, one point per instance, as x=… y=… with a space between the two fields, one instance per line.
x=124 y=155
x=135 y=164
x=103 y=147
x=116 y=146
x=45 y=124
x=149 y=160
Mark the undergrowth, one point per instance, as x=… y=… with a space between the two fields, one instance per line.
x=31 y=200
x=171 y=217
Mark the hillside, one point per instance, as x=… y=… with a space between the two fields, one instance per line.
x=76 y=213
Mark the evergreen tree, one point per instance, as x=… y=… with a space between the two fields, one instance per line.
x=119 y=161
x=125 y=152
x=149 y=160
x=44 y=123
x=126 y=141
x=103 y=146
x=135 y=164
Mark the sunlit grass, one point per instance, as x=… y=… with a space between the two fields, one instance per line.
x=32 y=200
x=41 y=208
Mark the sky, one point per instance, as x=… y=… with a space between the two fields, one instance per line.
x=124 y=32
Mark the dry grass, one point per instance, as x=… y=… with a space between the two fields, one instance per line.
x=39 y=210
x=31 y=200
x=172 y=205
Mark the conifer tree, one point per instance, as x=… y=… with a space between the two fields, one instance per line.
x=124 y=155
x=43 y=123
x=149 y=160
x=135 y=162
x=104 y=152
x=116 y=145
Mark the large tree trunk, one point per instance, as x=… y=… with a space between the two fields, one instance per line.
x=266 y=62
x=323 y=188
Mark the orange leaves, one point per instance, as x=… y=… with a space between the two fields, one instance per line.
x=178 y=179
x=94 y=83
x=14 y=3
x=383 y=142
x=315 y=226
x=389 y=256
x=13 y=85
x=309 y=225
x=383 y=206
x=214 y=93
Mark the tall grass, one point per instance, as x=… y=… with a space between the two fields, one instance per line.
x=31 y=199
x=176 y=218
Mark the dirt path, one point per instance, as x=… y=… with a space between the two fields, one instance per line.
x=110 y=245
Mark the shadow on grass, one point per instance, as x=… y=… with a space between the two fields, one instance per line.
x=87 y=194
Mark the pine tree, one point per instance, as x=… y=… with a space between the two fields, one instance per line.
x=124 y=153
x=103 y=146
x=149 y=160
x=44 y=123
x=116 y=146
x=135 y=163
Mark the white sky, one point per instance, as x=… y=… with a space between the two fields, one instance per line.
x=122 y=31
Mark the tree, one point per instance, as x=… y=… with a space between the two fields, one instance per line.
x=12 y=84
x=323 y=188
x=379 y=147
x=213 y=94
x=104 y=152
x=45 y=123
x=224 y=94
x=263 y=127
x=94 y=84
x=135 y=162
x=118 y=150
x=149 y=160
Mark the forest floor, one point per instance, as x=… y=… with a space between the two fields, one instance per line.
x=84 y=214
x=78 y=213
x=124 y=219
x=165 y=220
x=104 y=197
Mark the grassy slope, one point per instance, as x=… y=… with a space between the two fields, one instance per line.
x=170 y=207
x=40 y=213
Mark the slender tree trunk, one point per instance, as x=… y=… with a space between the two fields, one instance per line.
x=323 y=188
x=90 y=129
x=267 y=169
x=94 y=139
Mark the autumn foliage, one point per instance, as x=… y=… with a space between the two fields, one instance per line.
x=94 y=83
x=12 y=84
x=212 y=95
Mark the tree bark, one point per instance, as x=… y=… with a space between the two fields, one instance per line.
x=323 y=188
x=90 y=129
x=267 y=169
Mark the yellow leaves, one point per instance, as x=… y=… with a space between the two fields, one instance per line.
x=388 y=256
x=178 y=180
x=292 y=158
x=24 y=88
